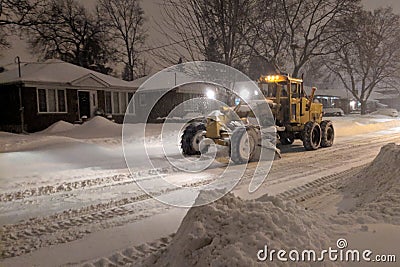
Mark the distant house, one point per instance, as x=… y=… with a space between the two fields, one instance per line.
x=389 y=98
x=336 y=98
x=170 y=96
x=43 y=93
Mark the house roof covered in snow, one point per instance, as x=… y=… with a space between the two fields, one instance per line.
x=342 y=93
x=334 y=92
x=59 y=73
x=167 y=80
x=138 y=82
x=159 y=82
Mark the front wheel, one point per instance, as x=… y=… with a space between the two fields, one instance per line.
x=311 y=136
x=244 y=144
x=191 y=138
x=328 y=134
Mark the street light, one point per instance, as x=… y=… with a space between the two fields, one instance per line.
x=210 y=94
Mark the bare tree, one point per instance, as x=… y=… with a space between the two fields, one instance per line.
x=369 y=52
x=72 y=34
x=4 y=44
x=290 y=33
x=18 y=13
x=267 y=36
x=125 y=19
x=205 y=30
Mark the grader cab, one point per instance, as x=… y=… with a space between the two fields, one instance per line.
x=296 y=116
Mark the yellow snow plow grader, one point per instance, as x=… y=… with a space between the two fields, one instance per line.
x=295 y=114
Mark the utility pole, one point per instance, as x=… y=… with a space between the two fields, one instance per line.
x=21 y=108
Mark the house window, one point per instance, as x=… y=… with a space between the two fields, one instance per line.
x=108 y=104
x=62 y=107
x=52 y=103
x=117 y=102
x=142 y=100
x=42 y=100
x=51 y=100
x=131 y=105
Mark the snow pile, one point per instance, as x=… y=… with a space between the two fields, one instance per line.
x=230 y=232
x=58 y=127
x=350 y=126
x=97 y=127
x=98 y=122
x=377 y=187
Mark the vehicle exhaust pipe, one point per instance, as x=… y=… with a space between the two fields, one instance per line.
x=311 y=98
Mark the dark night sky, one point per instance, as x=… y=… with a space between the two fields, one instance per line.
x=152 y=10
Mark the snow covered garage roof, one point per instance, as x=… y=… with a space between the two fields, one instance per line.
x=138 y=82
x=342 y=93
x=57 y=72
x=162 y=81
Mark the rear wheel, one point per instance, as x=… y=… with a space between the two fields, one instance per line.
x=312 y=136
x=244 y=143
x=191 y=138
x=328 y=134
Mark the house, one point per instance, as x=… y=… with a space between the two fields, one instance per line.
x=389 y=97
x=38 y=94
x=341 y=98
x=336 y=98
x=156 y=98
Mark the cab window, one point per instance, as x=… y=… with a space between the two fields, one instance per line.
x=271 y=90
x=295 y=90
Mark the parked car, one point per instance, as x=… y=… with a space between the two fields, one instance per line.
x=333 y=112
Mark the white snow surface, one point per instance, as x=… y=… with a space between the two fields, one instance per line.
x=377 y=187
x=70 y=156
x=230 y=231
x=64 y=148
x=60 y=126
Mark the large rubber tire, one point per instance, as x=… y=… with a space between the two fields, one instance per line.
x=328 y=134
x=190 y=138
x=244 y=144
x=311 y=136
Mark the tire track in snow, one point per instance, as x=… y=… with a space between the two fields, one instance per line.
x=116 y=179
x=69 y=225
x=318 y=186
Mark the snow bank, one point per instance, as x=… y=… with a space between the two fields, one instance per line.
x=377 y=187
x=97 y=127
x=58 y=127
x=348 y=126
x=230 y=231
x=99 y=122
